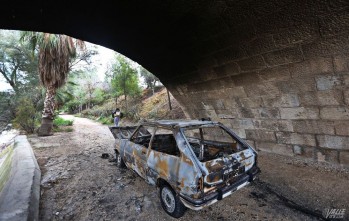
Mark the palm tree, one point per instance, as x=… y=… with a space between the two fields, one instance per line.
x=55 y=54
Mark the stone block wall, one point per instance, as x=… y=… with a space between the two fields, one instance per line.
x=279 y=78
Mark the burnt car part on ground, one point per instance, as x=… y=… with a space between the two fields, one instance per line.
x=194 y=163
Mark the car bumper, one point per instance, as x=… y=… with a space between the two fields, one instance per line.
x=197 y=204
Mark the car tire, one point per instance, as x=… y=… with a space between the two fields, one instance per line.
x=120 y=162
x=170 y=202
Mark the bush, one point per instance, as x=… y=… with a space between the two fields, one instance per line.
x=105 y=120
x=58 y=121
x=100 y=111
x=72 y=106
x=26 y=116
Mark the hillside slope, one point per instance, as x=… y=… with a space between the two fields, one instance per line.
x=148 y=106
x=157 y=107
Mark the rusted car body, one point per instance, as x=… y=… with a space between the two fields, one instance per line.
x=200 y=161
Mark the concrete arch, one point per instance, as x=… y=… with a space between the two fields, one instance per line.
x=277 y=71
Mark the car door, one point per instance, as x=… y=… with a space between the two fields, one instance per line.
x=163 y=157
x=140 y=145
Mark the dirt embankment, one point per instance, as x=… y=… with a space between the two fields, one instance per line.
x=77 y=184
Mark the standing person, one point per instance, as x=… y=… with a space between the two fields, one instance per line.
x=117 y=116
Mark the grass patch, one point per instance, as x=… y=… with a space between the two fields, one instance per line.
x=63 y=129
x=58 y=121
x=68 y=129
x=62 y=125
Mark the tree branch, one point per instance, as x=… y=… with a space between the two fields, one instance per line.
x=3 y=72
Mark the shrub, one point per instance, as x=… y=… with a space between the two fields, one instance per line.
x=100 y=111
x=26 y=116
x=72 y=106
x=105 y=120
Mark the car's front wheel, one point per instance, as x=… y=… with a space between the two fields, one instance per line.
x=170 y=202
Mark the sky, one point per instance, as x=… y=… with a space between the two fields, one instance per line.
x=101 y=61
x=104 y=57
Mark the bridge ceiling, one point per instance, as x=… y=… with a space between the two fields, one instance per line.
x=166 y=36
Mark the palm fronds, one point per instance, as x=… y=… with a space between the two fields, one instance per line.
x=55 y=53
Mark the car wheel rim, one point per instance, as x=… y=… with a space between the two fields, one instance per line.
x=168 y=199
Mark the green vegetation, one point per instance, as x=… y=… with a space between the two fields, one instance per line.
x=58 y=121
x=146 y=106
x=5 y=167
x=8 y=149
x=55 y=53
x=19 y=65
x=124 y=79
x=149 y=79
x=64 y=86
x=26 y=116
x=62 y=125
x=62 y=129
x=19 y=69
x=105 y=120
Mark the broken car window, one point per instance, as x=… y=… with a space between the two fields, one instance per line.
x=143 y=135
x=211 y=142
x=165 y=142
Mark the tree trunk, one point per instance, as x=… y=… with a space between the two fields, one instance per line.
x=125 y=94
x=89 y=100
x=169 y=99
x=48 y=113
x=126 y=103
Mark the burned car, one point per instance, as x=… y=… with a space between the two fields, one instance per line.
x=194 y=163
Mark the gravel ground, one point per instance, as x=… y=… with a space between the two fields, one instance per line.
x=77 y=184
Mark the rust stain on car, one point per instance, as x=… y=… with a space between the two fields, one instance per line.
x=187 y=160
x=163 y=168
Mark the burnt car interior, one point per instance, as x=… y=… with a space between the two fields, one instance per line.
x=211 y=142
x=142 y=136
x=165 y=143
x=123 y=132
x=163 y=140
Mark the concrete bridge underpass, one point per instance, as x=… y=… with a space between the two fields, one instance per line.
x=276 y=71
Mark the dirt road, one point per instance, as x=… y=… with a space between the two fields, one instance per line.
x=77 y=184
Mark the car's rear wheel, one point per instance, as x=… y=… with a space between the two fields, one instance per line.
x=170 y=202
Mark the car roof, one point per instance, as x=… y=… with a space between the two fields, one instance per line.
x=180 y=123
